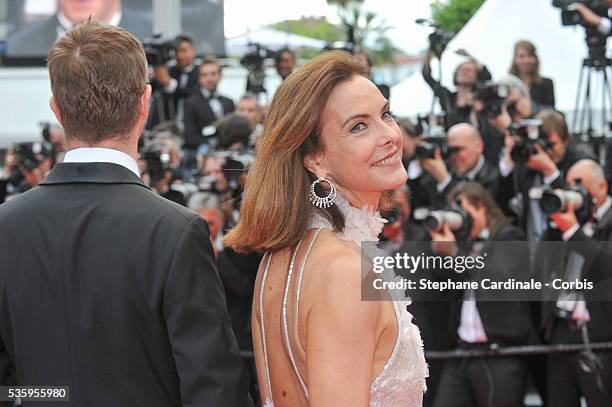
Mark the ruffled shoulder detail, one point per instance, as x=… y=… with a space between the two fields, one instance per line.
x=361 y=224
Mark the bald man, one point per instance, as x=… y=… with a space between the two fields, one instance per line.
x=592 y=242
x=467 y=164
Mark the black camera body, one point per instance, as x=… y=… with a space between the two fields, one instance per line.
x=493 y=96
x=571 y=16
x=159 y=50
x=438 y=40
x=557 y=200
x=158 y=161
x=531 y=133
x=253 y=61
x=596 y=41
x=31 y=154
x=427 y=149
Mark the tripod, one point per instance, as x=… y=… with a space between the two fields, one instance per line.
x=596 y=76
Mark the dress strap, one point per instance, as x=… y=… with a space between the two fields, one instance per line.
x=261 y=322
x=297 y=304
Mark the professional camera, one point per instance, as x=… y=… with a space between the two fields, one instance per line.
x=253 y=61
x=438 y=40
x=31 y=155
x=571 y=16
x=159 y=50
x=157 y=158
x=458 y=220
x=531 y=133
x=596 y=41
x=557 y=200
x=493 y=96
x=427 y=149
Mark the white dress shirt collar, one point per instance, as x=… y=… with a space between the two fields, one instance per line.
x=601 y=211
x=102 y=155
x=471 y=174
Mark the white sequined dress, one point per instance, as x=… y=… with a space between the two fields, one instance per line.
x=402 y=380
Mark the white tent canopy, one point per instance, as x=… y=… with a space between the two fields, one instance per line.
x=271 y=39
x=490 y=37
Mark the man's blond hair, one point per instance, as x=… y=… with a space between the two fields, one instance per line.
x=98 y=76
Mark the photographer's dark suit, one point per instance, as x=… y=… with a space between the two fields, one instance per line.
x=164 y=105
x=199 y=114
x=36 y=39
x=112 y=290
x=543 y=93
x=448 y=98
x=566 y=380
x=487 y=176
x=522 y=179
x=496 y=382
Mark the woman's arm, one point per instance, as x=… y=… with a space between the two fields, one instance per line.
x=342 y=337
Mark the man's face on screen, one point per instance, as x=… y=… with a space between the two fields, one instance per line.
x=80 y=10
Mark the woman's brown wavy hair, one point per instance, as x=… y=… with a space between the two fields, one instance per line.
x=533 y=76
x=275 y=208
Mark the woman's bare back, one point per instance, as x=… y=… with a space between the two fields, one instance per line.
x=285 y=384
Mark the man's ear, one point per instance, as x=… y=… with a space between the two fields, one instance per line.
x=144 y=102
x=55 y=110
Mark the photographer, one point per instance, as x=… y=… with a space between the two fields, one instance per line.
x=465 y=148
x=159 y=164
x=457 y=105
x=543 y=163
x=284 y=62
x=233 y=133
x=497 y=105
x=173 y=84
x=478 y=323
x=249 y=107
x=579 y=316
x=603 y=23
x=526 y=66
x=26 y=165
x=206 y=105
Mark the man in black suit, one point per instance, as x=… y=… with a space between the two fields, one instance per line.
x=205 y=107
x=174 y=84
x=479 y=320
x=588 y=312
x=117 y=295
x=467 y=164
x=545 y=168
x=36 y=39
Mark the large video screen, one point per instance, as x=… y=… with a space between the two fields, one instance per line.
x=31 y=26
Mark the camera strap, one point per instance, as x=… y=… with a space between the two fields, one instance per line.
x=589 y=361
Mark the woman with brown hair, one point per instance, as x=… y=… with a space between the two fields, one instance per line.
x=329 y=149
x=526 y=66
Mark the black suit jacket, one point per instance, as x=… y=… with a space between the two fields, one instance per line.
x=36 y=39
x=505 y=322
x=198 y=115
x=597 y=250
x=521 y=180
x=488 y=177
x=112 y=290
x=164 y=104
x=543 y=93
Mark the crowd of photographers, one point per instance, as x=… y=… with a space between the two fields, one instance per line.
x=499 y=165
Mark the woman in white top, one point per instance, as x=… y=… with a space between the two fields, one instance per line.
x=316 y=341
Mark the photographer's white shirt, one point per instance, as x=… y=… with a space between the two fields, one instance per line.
x=102 y=155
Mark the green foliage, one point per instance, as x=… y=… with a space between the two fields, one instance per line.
x=318 y=28
x=451 y=15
